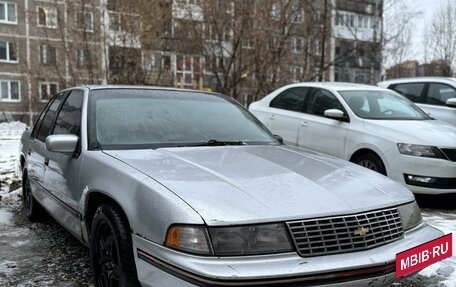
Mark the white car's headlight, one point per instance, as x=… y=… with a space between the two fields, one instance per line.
x=229 y=241
x=410 y=215
x=420 y=150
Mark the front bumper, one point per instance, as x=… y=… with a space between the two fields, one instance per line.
x=401 y=165
x=160 y=266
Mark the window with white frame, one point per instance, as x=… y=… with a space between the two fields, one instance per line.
x=297 y=12
x=275 y=11
x=84 y=21
x=296 y=73
x=8 y=52
x=47 y=17
x=47 y=90
x=297 y=44
x=83 y=57
x=8 y=12
x=47 y=55
x=188 y=71
x=9 y=90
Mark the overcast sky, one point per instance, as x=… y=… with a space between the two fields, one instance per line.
x=427 y=8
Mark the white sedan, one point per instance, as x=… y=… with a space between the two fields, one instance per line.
x=374 y=127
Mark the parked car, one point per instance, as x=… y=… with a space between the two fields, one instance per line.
x=435 y=95
x=183 y=188
x=373 y=127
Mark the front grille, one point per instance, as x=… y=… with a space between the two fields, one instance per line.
x=450 y=153
x=331 y=235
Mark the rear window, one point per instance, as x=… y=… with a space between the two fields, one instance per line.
x=412 y=91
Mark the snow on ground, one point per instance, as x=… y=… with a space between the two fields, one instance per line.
x=445 y=269
x=10 y=133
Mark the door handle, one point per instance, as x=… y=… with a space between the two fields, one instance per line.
x=304 y=124
x=46 y=162
x=271 y=117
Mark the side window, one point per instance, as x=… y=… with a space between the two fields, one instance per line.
x=321 y=101
x=291 y=100
x=48 y=119
x=439 y=94
x=69 y=118
x=412 y=91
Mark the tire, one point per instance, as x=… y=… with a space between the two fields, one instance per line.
x=371 y=161
x=32 y=209
x=111 y=250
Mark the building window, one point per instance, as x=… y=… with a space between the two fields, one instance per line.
x=297 y=44
x=275 y=11
x=83 y=57
x=188 y=72
x=124 y=22
x=8 y=52
x=8 y=13
x=9 y=90
x=296 y=73
x=48 y=55
x=318 y=47
x=84 y=21
x=47 y=17
x=47 y=90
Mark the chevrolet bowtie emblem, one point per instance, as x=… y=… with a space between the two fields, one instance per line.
x=361 y=231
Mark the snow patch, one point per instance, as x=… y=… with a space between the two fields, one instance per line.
x=5 y=217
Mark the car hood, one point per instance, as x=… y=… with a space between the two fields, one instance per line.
x=428 y=132
x=250 y=184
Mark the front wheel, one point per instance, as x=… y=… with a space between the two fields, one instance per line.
x=111 y=250
x=371 y=161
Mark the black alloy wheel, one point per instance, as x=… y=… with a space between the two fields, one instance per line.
x=371 y=161
x=111 y=249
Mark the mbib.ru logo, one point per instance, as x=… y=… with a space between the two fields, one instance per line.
x=424 y=255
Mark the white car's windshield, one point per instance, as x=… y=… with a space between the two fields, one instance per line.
x=382 y=105
x=142 y=118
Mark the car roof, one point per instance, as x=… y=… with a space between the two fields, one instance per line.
x=419 y=79
x=137 y=87
x=338 y=86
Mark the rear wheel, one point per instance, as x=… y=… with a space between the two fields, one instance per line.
x=371 y=161
x=111 y=249
x=33 y=210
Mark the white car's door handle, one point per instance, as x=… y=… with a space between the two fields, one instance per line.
x=304 y=124
x=271 y=117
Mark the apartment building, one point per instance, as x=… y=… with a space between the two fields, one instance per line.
x=243 y=48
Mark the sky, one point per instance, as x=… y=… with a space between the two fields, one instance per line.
x=427 y=8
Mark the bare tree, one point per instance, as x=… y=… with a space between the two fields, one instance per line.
x=441 y=36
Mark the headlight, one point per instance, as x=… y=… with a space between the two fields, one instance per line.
x=420 y=150
x=410 y=215
x=191 y=239
x=249 y=240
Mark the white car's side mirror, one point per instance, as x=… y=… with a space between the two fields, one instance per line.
x=451 y=102
x=334 y=114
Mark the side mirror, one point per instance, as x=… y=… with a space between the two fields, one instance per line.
x=279 y=138
x=335 y=114
x=451 y=102
x=62 y=143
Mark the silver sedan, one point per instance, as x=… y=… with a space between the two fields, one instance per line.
x=182 y=188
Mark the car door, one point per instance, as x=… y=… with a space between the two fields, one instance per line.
x=285 y=113
x=318 y=132
x=36 y=149
x=436 y=97
x=61 y=174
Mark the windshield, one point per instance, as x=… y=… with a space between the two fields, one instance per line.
x=135 y=118
x=382 y=105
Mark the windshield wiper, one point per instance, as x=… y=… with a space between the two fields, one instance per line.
x=215 y=143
